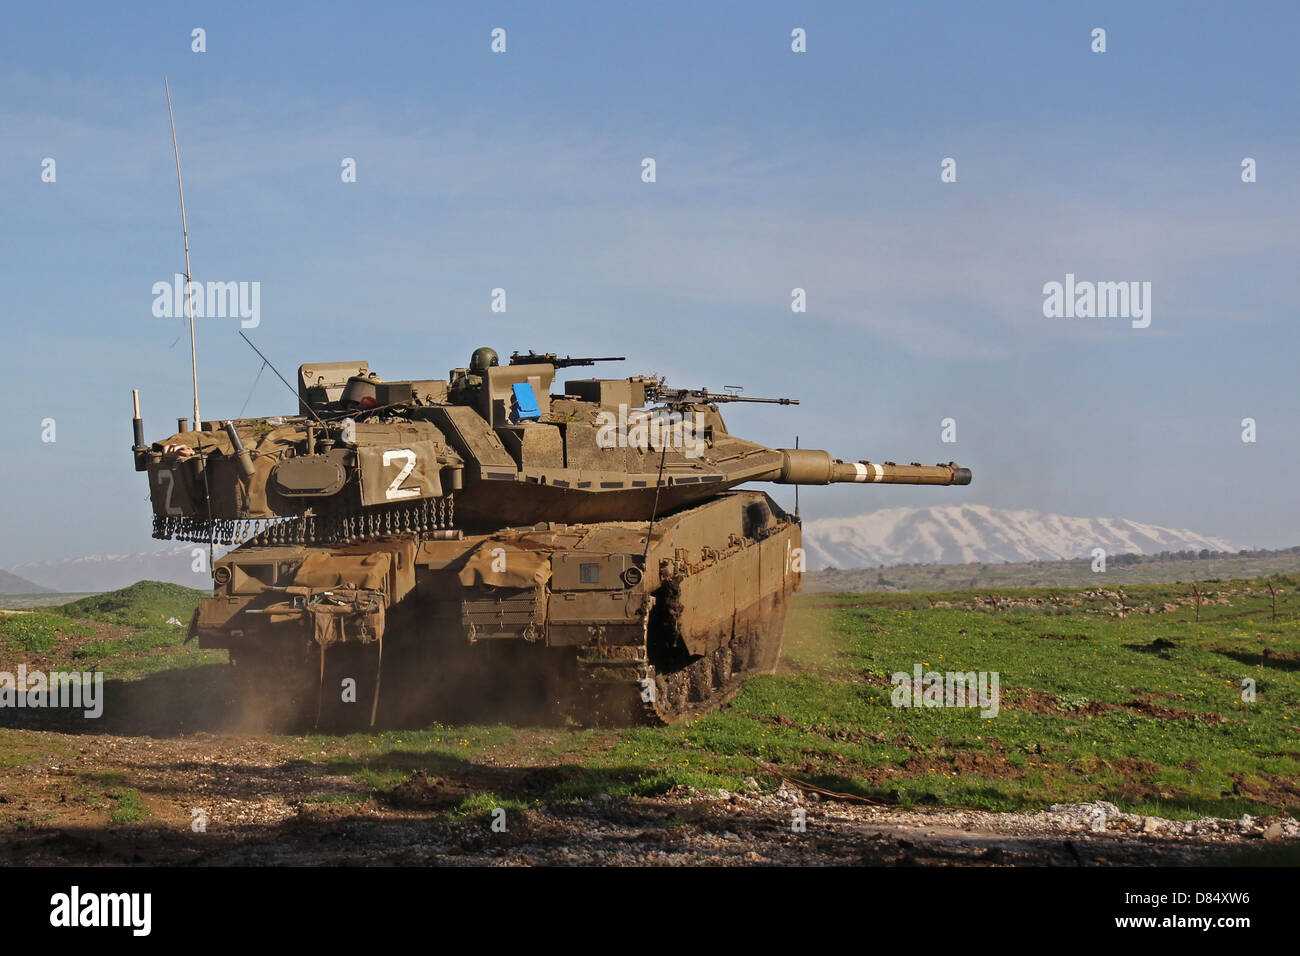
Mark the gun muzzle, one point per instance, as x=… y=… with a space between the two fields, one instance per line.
x=808 y=466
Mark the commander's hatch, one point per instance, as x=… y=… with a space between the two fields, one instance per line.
x=497 y=399
x=323 y=382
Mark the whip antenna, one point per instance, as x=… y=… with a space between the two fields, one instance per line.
x=185 y=234
x=266 y=362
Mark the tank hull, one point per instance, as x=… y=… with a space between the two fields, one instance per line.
x=590 y=622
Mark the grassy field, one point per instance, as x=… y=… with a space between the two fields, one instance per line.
x=1121 y=696
x=1136 y=704
x=1121 y=571
x=123 y=633
x=1144 y=710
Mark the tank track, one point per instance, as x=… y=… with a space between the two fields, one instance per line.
x=706 y=683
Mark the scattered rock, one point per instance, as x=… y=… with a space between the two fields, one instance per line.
x=256 y=792
x=1085 y=816
x=788 y=795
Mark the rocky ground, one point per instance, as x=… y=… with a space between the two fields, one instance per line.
x=265 y=802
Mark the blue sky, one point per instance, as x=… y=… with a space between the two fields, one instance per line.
x=775 y=170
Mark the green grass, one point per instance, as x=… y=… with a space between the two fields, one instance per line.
x=37 y=632
x=485 y=805
x=20 y=748
x=135 y=631
x=164 y=657
x=127 y=806
x=1082 y=654
x=132 y=645
x=336 y=799
x=1144 y=710
x=143 y=604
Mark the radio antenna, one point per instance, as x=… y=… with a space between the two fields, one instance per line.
x=185 y=234
x=267 y=363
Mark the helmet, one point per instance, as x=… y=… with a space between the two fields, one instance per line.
x=482 y=360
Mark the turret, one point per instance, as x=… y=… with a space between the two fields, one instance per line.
x=495 y=446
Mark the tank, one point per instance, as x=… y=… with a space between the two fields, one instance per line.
x=497 y=544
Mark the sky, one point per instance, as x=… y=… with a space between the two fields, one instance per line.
x=775 y=170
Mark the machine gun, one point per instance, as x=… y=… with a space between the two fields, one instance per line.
x=702 y=396
x=550 y=358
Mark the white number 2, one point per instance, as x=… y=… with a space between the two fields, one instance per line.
x=168 y=479
x=395 y=490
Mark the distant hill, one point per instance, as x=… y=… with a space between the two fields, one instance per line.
x=962 y=534
x=13 y=584
x=141 y=604
x=108 y=572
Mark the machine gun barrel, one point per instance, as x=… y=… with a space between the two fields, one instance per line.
x=568 y=361
x=702 y=396
x=808 y=466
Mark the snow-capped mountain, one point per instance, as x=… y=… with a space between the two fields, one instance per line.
x=951 y=534
x=108 y=572
x=960 y=534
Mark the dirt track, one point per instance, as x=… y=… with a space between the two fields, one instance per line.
x=254 y=791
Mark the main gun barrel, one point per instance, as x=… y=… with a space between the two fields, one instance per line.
x=810 y=466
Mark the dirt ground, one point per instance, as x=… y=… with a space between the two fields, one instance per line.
x=255 y=790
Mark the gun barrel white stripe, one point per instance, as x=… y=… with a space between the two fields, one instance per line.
x=865 y=471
